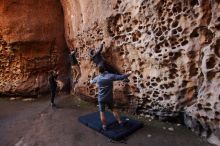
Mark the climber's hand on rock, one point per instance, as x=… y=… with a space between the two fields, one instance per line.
x=103 y=42
x=129 y=73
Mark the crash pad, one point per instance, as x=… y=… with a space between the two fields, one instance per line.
x=114 y=130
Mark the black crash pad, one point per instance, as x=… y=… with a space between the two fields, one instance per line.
x=115 y=131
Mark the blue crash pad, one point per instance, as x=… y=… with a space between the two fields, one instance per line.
x=115 y=131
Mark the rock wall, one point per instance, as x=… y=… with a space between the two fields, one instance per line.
x=32 y=42
x=172 y=48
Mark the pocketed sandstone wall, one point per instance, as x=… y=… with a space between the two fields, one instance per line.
x=172 y=48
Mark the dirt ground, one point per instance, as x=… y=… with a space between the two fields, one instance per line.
x=35 y=123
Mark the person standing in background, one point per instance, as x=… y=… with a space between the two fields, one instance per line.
x=53 y=86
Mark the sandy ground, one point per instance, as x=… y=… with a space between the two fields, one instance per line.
x=35 y=123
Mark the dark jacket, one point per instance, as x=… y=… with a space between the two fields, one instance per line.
x=97 y=56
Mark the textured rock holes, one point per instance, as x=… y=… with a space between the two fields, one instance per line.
x=166 y=45
x=169 y=33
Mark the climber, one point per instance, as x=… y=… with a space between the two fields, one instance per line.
x=99 y=61
x=104 y=82
x=75 y=69
x=53 y=85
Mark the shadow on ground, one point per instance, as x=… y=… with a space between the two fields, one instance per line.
x=35 y=123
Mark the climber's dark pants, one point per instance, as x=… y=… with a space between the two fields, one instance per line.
x=109 y=68
x=53 y=93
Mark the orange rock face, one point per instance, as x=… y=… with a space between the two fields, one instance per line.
x=172 y=48
x=31 y=43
